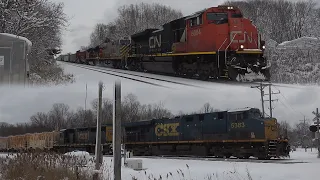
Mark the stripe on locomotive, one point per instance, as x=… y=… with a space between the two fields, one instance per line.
x=194 y=53
x=124 y=50
x=206 y=141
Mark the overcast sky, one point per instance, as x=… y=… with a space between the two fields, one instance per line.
x=84 y=14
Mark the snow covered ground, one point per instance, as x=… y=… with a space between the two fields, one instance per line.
x=292 y=100
x=301 y=165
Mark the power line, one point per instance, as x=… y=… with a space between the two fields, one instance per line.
x=294 y=110
x=261 y=88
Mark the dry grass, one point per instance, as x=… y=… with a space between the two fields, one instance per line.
x=181 y=175
x=41 y=166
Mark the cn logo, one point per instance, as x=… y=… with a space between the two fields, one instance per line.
x=155 y=42
x=245 y=35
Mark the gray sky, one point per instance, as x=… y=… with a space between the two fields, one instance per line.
x=18 y=104
x=84 y=14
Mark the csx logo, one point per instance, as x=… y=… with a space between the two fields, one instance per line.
x=169 y=129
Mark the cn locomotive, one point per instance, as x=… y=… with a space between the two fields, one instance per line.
x=215 y=43
x=240 y=133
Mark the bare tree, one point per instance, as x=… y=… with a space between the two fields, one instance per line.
x=134 y=18
x=42 y=23
x=99 y=34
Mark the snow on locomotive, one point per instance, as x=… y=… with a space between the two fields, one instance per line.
x=217 y=43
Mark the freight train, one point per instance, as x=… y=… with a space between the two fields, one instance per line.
x=215 y=43
x=240 y=133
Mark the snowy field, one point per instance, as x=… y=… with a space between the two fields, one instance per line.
x=301 y=165
x=188 y=96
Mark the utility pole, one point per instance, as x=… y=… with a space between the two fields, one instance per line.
x=317 y=124
x=261 y=87
x=98 y=153
x=117 y=131
x=304 y=133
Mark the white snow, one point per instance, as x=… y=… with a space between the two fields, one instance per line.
x=12 y=36
x=239 y=109
x=301 y=165
x=302 y=43
x=79 y=157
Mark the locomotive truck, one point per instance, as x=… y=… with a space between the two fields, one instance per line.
x=240 y=133
x=214 y=43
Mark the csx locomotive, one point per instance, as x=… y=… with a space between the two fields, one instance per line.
x=241 y=133
x=215 y=43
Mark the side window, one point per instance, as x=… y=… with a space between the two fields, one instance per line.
x=193 y=22
x=201 y=117
x=240 y=116
x=196 y=21
x=220 y=115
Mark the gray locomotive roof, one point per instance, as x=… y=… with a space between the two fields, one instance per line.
x=241 y=109
x=196 y=14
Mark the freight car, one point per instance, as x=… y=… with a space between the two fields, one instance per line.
x=3 y=144
x=31 y=142
x=83 y=139
x=241 y=133
x=215 y=43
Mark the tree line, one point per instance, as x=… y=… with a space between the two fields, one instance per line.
x=42 y=22
x=131 y=19
x=61 y=116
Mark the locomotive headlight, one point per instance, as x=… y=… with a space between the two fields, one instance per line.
x=263 y=47
x=242 y=46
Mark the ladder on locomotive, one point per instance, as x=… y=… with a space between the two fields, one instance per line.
x=272 y=148
x=225 y=68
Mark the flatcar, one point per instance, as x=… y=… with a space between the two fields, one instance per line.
x=215 y=43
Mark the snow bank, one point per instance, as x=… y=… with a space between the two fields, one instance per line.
x=12 y=36
x=79 y=157
x=301 y=165
x=303 y=43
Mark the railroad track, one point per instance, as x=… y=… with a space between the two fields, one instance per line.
x=210 y=158
x=110 y=71
x=127 y=75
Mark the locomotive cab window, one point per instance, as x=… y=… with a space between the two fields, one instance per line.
x=196 y=21
x=236 y=15
x=217 y=18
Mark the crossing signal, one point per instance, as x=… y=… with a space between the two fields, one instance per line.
x=313 y=128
